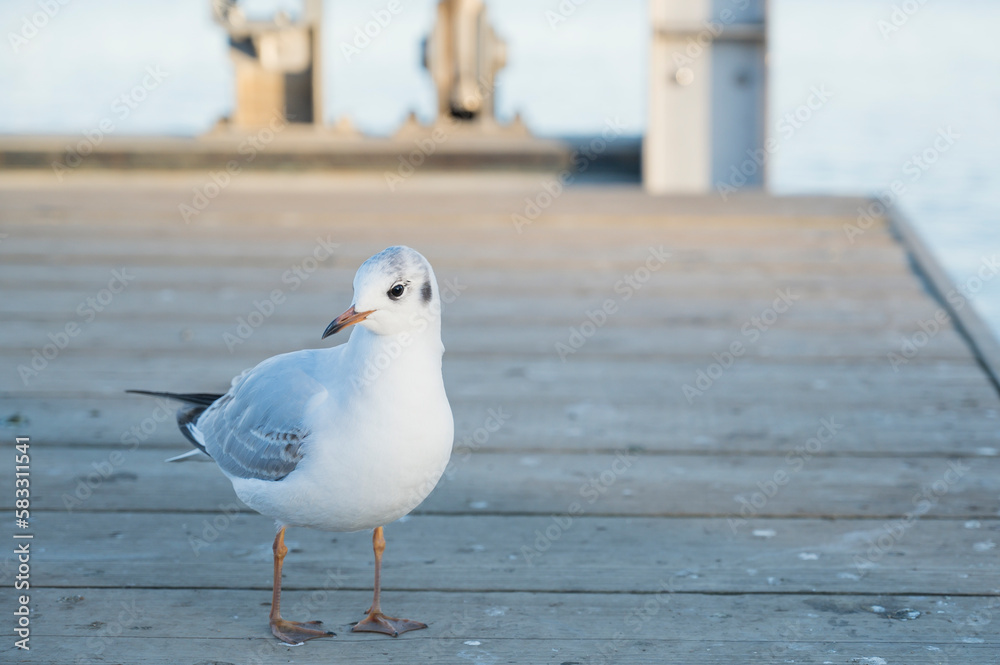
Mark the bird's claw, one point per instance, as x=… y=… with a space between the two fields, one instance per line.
x=296 y=632
x=376 y=622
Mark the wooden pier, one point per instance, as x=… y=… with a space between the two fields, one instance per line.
x=687 y=430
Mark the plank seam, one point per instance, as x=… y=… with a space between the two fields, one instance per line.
x=596 y=592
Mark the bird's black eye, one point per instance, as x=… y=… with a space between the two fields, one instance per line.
x=397 y=291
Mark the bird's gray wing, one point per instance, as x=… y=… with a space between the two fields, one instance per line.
x=259 y=428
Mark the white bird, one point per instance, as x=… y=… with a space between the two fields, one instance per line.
x=340 y=439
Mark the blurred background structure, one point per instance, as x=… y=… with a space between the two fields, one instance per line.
x=749 y=412
x=707 y=97
x=277 y=64
x=464 y=55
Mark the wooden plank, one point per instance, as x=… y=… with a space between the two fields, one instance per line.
x=321 y=205
x=690 y=230
x=55 y=305
x=624 y=483
x=788 y=261
x=484 y=553
x=199 y=341
x=915 y=426
x=645 y=317
x=209 y=613
x=753 y=280
x=529 y=338
x=791 y=263
x=492 y=240
x=558 y=234
x=627 y=651
x=623 y=382
x=270 y=194
x=454 y=240
x=230 y=626
x=445 y=210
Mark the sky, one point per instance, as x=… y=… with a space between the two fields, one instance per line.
x=891 y=90
x=565 y=79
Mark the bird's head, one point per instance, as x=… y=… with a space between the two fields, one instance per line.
x=395 y=292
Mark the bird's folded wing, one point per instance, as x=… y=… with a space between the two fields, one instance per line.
x=258 y=429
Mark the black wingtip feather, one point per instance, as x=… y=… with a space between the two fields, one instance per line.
x=201 y=399
x=186 y=415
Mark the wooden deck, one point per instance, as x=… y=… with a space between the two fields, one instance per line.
x=810 y=504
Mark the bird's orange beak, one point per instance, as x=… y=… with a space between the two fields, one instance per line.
x=348 y=318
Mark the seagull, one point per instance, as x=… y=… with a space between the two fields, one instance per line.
x=347 y=438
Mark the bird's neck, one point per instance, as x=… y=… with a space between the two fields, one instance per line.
x=383 y=358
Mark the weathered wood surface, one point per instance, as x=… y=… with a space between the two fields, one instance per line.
x=753 y=649
x=221 y=614
x=488 y=342
x=883 y=545
x=726 y=419
x=622 y=483
x=489 y=552
x=524 y=627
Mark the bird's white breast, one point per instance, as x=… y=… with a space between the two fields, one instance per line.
x=379 y=448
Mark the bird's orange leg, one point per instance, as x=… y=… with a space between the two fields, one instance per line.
x=290 y=632
x=376 y=622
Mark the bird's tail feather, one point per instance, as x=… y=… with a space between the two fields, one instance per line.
x=201 y=399
x=186 y=415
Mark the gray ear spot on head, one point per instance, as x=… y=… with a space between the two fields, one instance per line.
x=425 y=291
